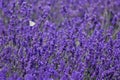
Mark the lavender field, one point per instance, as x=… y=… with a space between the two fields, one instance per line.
x=59 y=39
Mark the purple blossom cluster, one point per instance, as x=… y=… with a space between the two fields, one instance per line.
x=59 y=39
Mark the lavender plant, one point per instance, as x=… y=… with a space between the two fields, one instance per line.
x=59 y=39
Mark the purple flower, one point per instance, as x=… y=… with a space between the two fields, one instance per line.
x=59 y=40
